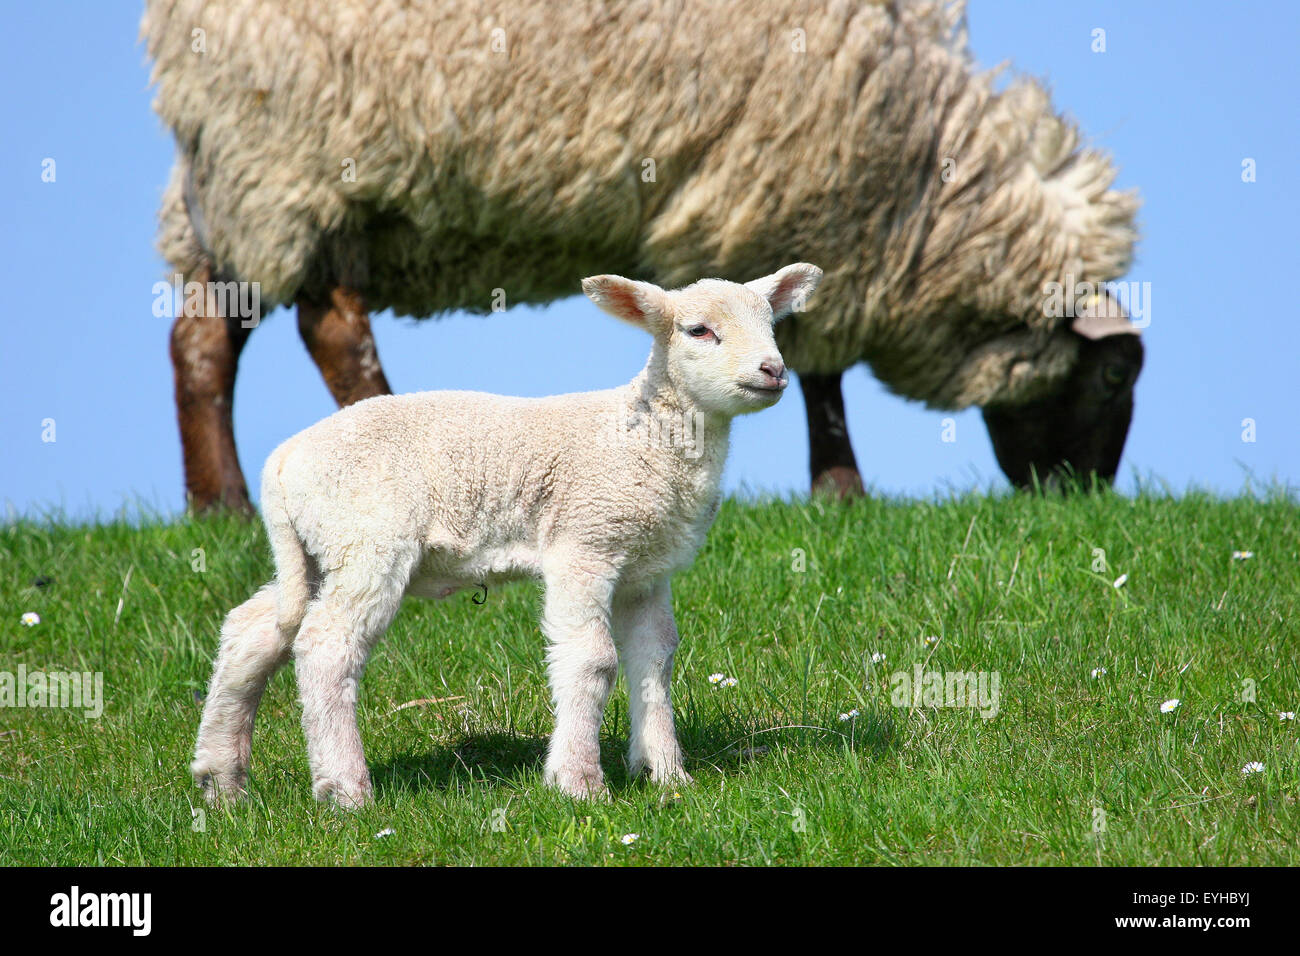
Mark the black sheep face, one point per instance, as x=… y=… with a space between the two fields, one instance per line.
x=1080 y=429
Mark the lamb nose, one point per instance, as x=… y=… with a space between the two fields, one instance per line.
x=775 y=370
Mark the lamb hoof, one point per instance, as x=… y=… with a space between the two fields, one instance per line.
x=579 y=784
x=677 y=777
x=344 y=796
x=672 y=775
x=667 y=771
x=219 y=788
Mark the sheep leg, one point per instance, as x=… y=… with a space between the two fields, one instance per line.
x=252 y=649
x=646 y=635
x=830 y=453
x=330 y=652
x=338 y=336
x=205 y=356
x=582 y=665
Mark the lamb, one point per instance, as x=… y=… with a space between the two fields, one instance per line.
x=428 y=157
x=600 y=495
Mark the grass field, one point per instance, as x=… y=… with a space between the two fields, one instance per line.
x=1073 y=768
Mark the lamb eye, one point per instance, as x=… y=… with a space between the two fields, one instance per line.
x=1114 y=374
x=699 y=332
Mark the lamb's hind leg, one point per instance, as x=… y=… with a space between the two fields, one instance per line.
x=330 y=653
x=252 y=648
x=647 y=638
x=583 y=665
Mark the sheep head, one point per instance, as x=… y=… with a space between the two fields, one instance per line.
x=714 y=337
x=1079 y=429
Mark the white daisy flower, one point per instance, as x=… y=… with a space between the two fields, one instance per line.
x=1099 y=672
x=630 y=838
x=1242 y=555
x=878 y=658
x=1120 y=581
x=931 y=640
x=1286 y=715
x=849 y=716
x=385 y=833
x=729 y=682
x=716 y=678
x=31 y=619
x=1252 y=768
x=1170 y=705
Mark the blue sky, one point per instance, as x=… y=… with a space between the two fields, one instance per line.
x=1182 y=95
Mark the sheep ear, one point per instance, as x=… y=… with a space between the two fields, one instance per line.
x=789 y=289
x=1102 y=316
x=641 y=303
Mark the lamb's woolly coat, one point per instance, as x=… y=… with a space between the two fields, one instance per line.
x=485 y=487
x=517 y=144
x=601 y=495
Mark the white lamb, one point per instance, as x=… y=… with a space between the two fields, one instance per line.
x=601 y=495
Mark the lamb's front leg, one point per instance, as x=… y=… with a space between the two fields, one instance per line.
x=647 y=638
x=583 y=665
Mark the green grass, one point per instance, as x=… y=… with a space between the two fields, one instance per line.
x=1007 y=584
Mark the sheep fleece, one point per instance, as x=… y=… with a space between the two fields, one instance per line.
x=429 y=154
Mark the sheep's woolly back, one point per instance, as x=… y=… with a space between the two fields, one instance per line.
x=652 y=138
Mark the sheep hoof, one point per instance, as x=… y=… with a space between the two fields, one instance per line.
x=839 y=483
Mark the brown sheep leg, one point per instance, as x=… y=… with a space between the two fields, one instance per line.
x=830 y=454
x=338 y=336
x=205 y=355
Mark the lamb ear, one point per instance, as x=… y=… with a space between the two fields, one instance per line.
x=789 y=289
x=643 y=304
x=1102 y=316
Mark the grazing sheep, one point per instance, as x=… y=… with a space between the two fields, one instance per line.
x=371 y=155
x=601 y=495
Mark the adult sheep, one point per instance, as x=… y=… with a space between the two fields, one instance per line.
x=369 y=154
